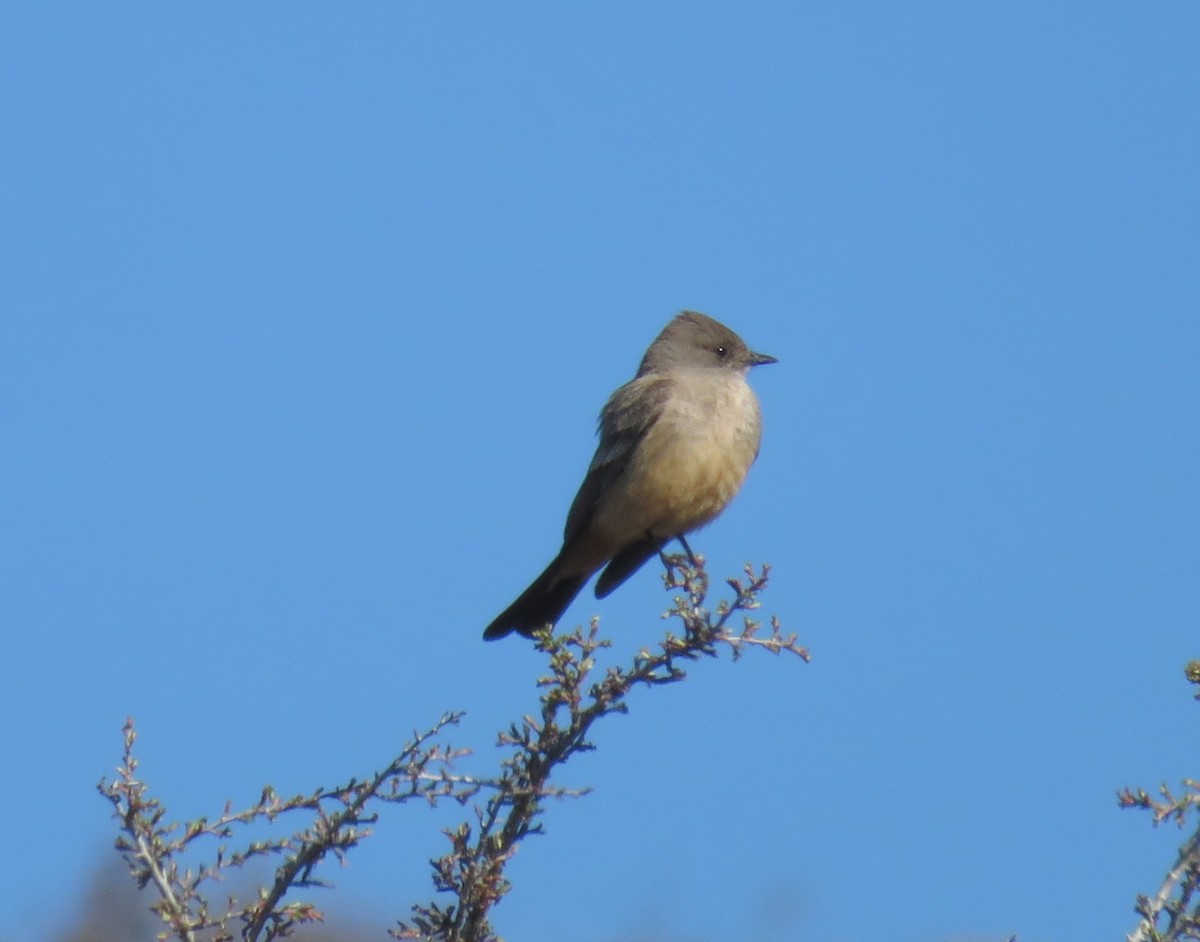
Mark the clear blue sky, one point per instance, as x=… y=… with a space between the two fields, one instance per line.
x=308 y=311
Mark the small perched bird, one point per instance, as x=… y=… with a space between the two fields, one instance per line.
x=675 y=445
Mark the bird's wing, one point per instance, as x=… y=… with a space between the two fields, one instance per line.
x=629 y=413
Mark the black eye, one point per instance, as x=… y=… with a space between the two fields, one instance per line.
x=722 y=352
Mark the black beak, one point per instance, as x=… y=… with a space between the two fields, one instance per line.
x=760 y=359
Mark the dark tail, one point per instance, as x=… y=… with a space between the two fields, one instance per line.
x=541 y=604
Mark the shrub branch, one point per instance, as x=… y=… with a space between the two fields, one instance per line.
x=472 y=872
x=574 y=695
x=1172 y=914
x=340 y=820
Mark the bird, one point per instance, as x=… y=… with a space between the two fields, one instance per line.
x=675 y=445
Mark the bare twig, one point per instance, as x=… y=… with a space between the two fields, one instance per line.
x=153 y=850
x=1173 y=913
x=472 y=872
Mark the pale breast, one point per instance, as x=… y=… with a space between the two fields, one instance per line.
x=694 y=460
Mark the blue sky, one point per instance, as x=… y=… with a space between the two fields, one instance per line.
x=309 y=311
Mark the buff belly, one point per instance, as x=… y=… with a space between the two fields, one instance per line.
x=688 y=467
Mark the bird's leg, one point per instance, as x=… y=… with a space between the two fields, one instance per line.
x=676 y=572
x=687 y=549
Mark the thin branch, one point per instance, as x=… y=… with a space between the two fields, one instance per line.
x=152 y=850
x=1173 y=913
x=472 y=872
